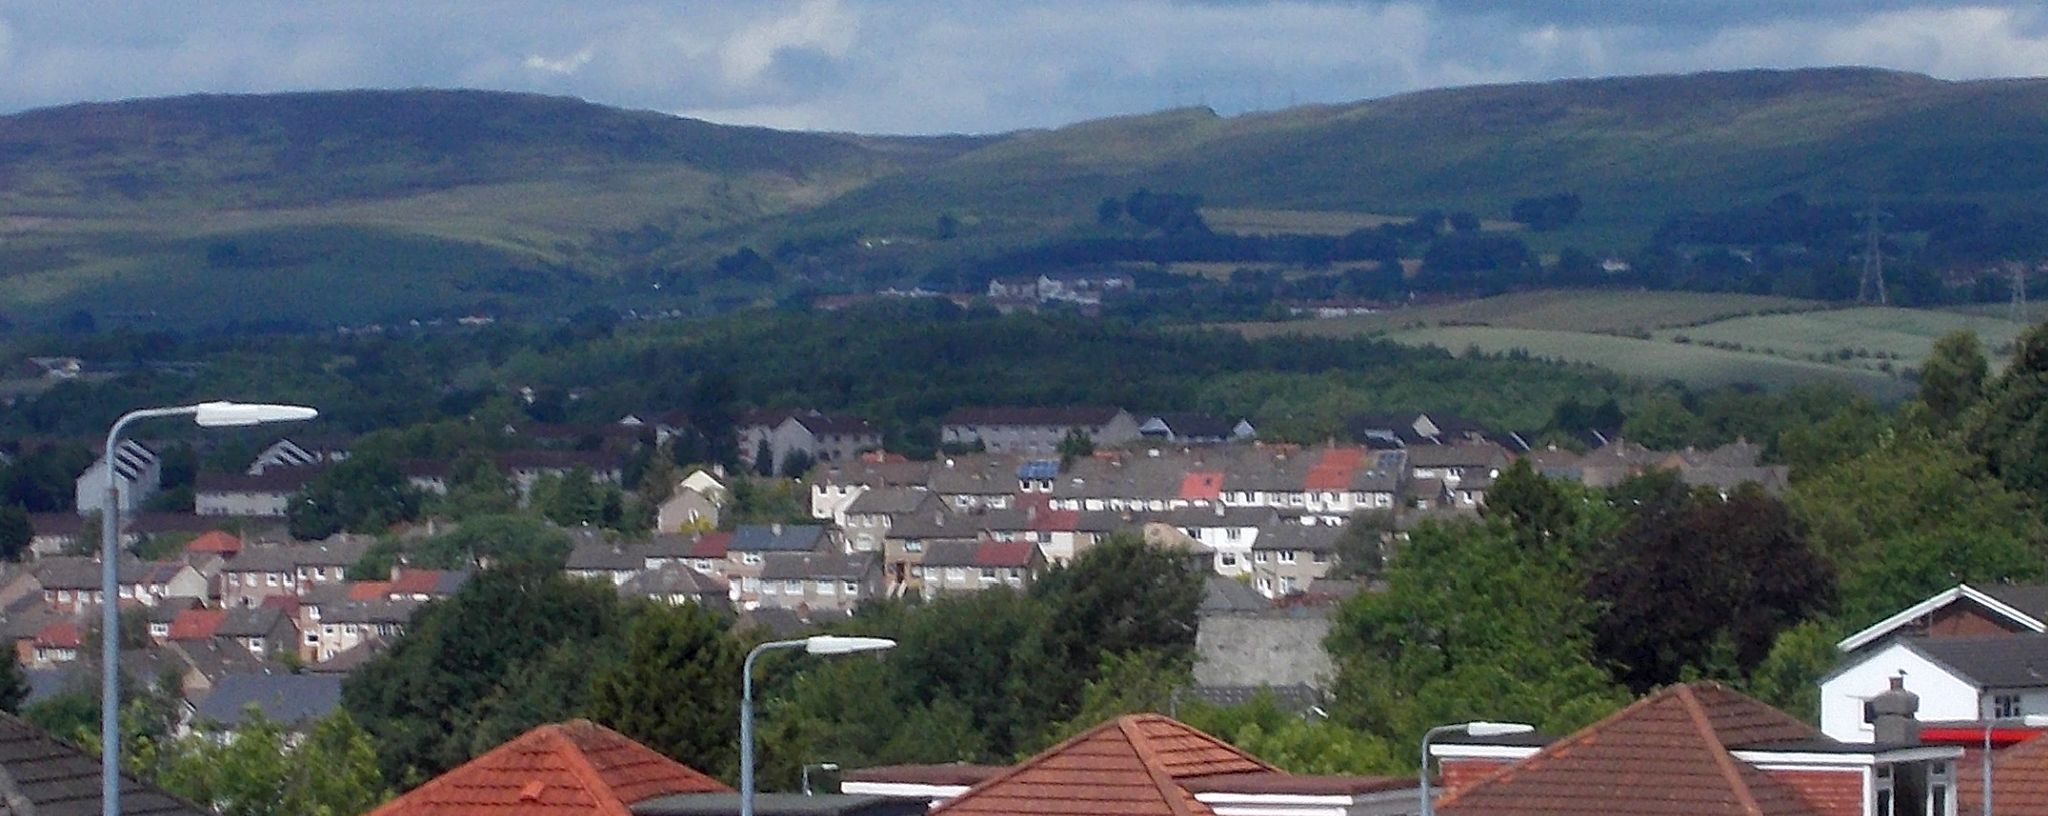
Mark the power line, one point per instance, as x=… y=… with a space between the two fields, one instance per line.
x=1873 y=260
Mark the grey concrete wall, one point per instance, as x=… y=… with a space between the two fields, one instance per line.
x=1262 y=650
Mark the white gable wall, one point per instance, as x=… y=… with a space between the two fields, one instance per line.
x=1943 y=696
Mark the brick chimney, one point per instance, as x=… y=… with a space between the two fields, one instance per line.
x=1891 y=715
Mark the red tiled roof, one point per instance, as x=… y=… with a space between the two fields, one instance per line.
x=2019 y=780
x=196 y=624
x=215 y=542
x=415 y=582
x=60 y=635
x=288 y=603
x=710 y=545
x=369 y=590
x=572 y=768
x=1202 y=484
x=1668 y=753
x=1004 y=553
x=1130 y=766
x=1333 y=471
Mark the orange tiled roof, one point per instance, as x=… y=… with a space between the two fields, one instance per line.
x=1130 y=766
x=60 y=635
x=1668 y=753
x=1334 y=470
x=1202 y=484
x=369 y=590
x=2019 y=780
x=215 y=542
x=196 y=624
x=561 y=769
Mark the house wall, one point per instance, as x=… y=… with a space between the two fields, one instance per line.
x=90 y=492
x=1964 y=619
x=829 y=501
x=685 y=509
x=1262 y=650
x=1828 y=792
x=1943 y=696
x=1274 y=576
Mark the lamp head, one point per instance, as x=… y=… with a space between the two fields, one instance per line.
x=842 y=644
x=1497 y=729
x=238 y=414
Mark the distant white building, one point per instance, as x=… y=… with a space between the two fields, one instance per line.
x=139 y=476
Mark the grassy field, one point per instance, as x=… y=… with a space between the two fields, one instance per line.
x=1656 y=360
x=1863 y=338
x=1603 y=312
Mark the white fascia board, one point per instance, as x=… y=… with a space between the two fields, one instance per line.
x=903 y=790
x=1937 y=601
x=1467 y=751
x=1814 y=760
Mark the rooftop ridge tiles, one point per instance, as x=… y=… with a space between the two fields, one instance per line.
x=1723 y=761
x=578 y=759
x=1149 y=760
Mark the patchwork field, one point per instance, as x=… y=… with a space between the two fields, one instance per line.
x=1703 y=340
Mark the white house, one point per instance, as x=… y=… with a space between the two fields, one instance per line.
x=1958 y=679
x=140 y=472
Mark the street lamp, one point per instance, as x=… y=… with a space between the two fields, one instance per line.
x=823 y=766
x=815 y=644
x=1478 y=728
x=207 y=415
x=2030 y=721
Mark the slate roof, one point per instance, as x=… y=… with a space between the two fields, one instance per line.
x=285 y=479
x=352 y=658
x=1673 y=748
x=372 y=612
x=81 y=572
x=888 y=501
x=1222 y=594
x=257 y=621
x=337 y=552
x=1991 y=661
x=777 y=538
x=1298 y=537
x=288 y=699
x=59 y=779
x=561 y=769
x=601 y=557
x=1131 y=766
x=2031 y=599
x=792 y=566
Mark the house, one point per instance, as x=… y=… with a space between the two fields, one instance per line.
x=213 y=543
x=302 y=453
x=750 y=544
x=815 y=436
x=694 y=504
x=289 y=700
x=194 y=624
x=834 y=485
x=45 y=776
x=1196 y=429
x=952 y=567
x=263 y=630
x=140 y=476
x=1287 y=558
x=1959 y=679
x=345 y=625
x=261 y=572
x=603 y=561
x=526 y=467
x=1151 y=764
x=576 y=768
x=71 y=584
x=1961 y=610
x=868 y=519
x=703 y=552
x=2019 y=781
x=1390 y=431
x=1456 y=463
x=914 y=535
x=1036 y=430
x=676 y=584
x=1702 y=748
x=265 y=494
x=818 y=583
x=57 y=642
x=57 y=533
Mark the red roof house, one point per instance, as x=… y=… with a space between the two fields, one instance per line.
x=576 y=768
x=196 y=624
x=215 y=542
x=2019 y=780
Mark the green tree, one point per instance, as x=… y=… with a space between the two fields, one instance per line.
x=1120 y=596
x=421 y=699
x=675 y=653
x=1664 y=423
x=476 y=487
x=13 y=686
x=1125 y=683
x=1952 y=378
x=15 y=532
x=1789 y=677
x=1472 y=625
x=512 y=541
x=363 y=494
x=2010 y=429
x=261 y=771
x=1296 y=743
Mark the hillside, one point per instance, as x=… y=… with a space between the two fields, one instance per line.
x=440 y=199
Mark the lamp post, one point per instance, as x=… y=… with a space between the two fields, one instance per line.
x=2029 y=721
x=1479 y=728
x=206 y=415
x=823 y=766
x=815 y=644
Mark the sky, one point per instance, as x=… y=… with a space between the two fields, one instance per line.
x=967 y=66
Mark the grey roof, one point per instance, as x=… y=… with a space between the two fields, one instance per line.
x=1467 y=454
x=215 y=658
x=352 y=658
x=983 y=474
x=336 y=552
x=789 y=566
x=777 y=538
x=81 y=572
x=1299 y=537
x=889 y=501
x=1218 y=515
x=1196 y=426
x=1991 y=661
x=59 y=779
x=1222 y=595
x=289 y=699
x=371 y=612
x=599 y=556
x=671 y=579
x=776 y=621
x=1073 y=416
x=937 y=525
x=256 y=621
x=2031 y=599
x=780 y=804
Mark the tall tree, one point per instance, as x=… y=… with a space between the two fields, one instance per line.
x=15 y=532
x=1120 y=596
x=679 y=653
x=1952 y=378
x=363 y=494
x=13 y=686
x=2011 y=430
x=261 y=771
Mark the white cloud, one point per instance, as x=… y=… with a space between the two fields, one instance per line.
x=817 y=24
x=562 y=66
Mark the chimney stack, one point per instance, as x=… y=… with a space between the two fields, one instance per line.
x=1891 y=715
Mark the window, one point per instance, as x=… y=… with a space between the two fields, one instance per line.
x=852 y=587
x=1260 y=557
x=1233 y=533
x=913 y=546
x=772 y=589
x=750 y=584
x=956 y=573
x=750 y=558
x=312 y=638
x=1286 y=556
x=1322 y=558
x=270 y=578
x=988 y=573
x=1227 y=559
x=793 y=587
x=828 y=587
x=2005 y=705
